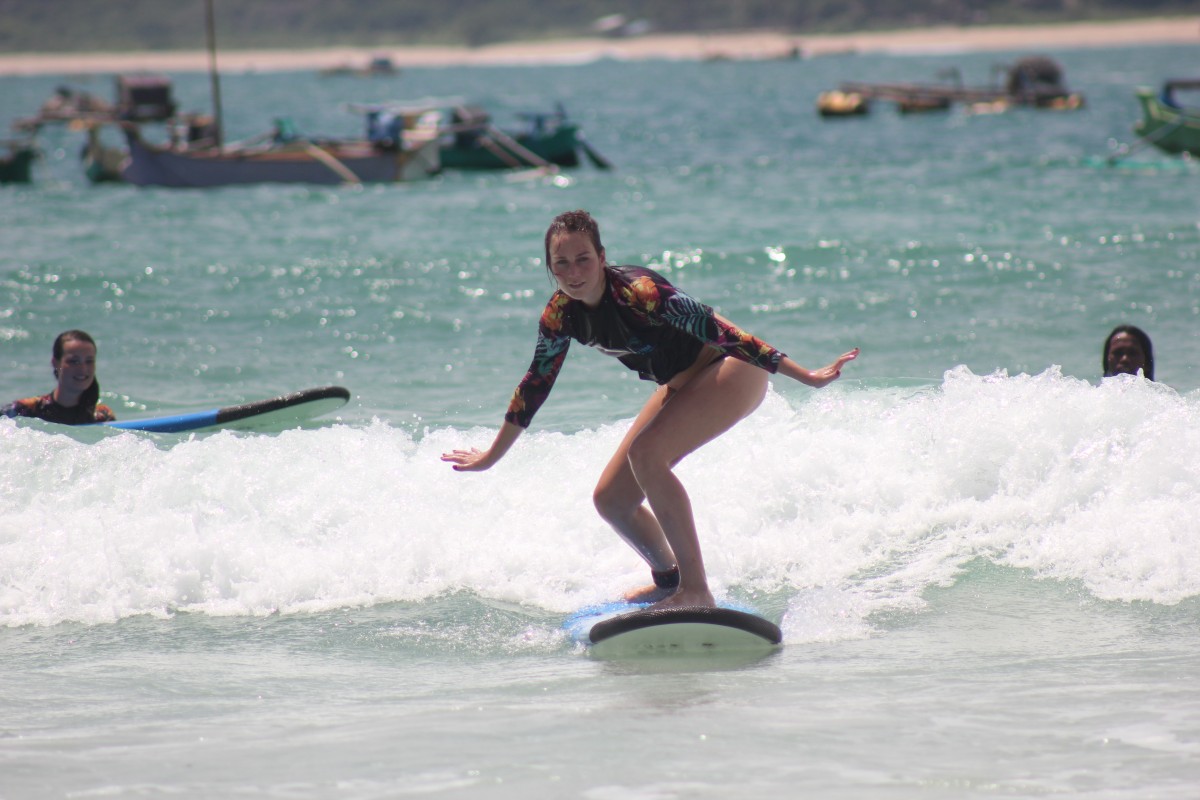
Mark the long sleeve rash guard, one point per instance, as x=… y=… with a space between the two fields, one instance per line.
x=646 y=323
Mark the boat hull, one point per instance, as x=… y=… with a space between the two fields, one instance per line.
x=560 y=148
x=149 y=165
x=1170 y=129
x=17 y=167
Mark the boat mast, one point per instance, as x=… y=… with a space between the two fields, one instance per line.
x=218 y=125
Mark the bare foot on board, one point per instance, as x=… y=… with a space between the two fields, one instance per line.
x=647 y=594
x=682 y=599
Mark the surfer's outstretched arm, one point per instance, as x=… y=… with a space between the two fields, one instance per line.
x=475 y=460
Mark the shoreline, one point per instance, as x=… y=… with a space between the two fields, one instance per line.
x=750 y=45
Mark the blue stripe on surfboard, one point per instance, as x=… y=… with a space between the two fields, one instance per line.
x=173 y=424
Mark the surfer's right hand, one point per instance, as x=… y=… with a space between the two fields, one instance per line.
x=472 y=460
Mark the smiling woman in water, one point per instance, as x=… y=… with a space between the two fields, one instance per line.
x=75 y=399
x=636 y=315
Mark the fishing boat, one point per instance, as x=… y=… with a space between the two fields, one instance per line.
x=192 y=157
x=278 y=156
x=197 y=154
x=1032 y=82
x=378 y=67
x=468 y=139
x=139 y=98
x=837 y=103
x=65 y=106
x=1166 y=123
x=471 y=141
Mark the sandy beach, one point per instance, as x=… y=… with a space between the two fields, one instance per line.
x=736 y=45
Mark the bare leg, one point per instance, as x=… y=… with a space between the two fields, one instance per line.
x=711 y=403
x=669 y=427
x=621 y=503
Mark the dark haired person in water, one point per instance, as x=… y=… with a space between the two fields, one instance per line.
x=1126 y=350
x=74 y=400
x=652 y=327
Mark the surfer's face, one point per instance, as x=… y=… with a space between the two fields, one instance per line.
x=1125 y=355
x=76 y=369
x=578 y=267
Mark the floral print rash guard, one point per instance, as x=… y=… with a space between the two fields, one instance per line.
x=45 y=408
x=648 y=324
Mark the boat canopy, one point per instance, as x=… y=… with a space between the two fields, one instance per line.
x=144 y=98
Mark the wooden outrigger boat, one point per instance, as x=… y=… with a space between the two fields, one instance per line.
x=277 y=157
x=468 y=140
x=472 y=142
x=1166 y=123
x=1035 y=82
x=197 y=154
x=139 y=98
x=66 y=106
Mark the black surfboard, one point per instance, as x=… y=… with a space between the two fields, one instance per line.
x=686 y=630
x=276 y=413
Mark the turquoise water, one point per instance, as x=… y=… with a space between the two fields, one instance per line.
x=982 y=558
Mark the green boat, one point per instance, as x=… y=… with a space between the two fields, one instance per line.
x=1166 y=123
x=468 y=140
x=17 y=166
x=472 y=142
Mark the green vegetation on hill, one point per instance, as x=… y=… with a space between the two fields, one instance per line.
x=132 y=25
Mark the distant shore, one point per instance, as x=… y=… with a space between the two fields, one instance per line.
x=738 y=45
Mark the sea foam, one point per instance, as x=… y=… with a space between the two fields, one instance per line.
x=829 y=507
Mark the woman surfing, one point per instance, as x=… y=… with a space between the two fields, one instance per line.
x=711 y=375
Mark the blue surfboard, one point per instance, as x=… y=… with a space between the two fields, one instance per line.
x=617 y=630
x=274 y=414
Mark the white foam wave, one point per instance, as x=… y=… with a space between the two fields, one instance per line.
x=845 y=503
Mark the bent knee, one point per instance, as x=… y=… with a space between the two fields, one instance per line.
x=646 y=455
x=611 y=504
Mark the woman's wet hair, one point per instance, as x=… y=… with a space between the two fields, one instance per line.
x=68 y=336
x=1142 y=339
x=578 y=221
x=91 y=396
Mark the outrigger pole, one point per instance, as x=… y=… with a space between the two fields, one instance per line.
x=214 y=79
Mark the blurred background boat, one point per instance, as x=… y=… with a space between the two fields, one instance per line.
x=1166 y=122
x=280 y=155
x=380 y=66
x=468 y=139
x=1032 y=81
x=838 y=103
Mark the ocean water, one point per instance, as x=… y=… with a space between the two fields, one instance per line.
x=983 y=558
